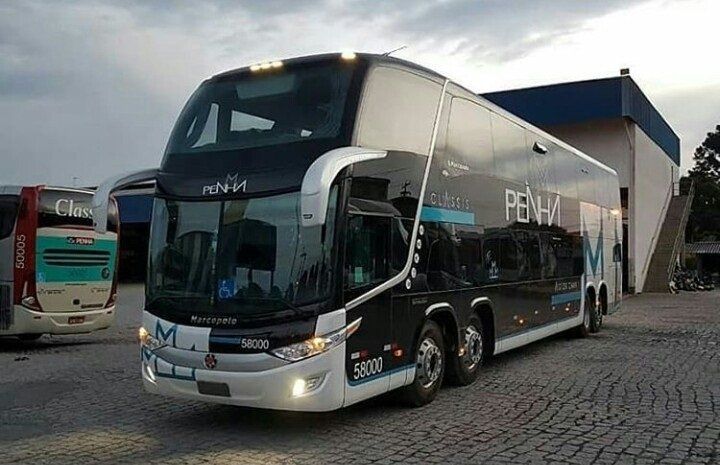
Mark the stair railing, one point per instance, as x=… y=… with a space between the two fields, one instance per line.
x=658 y=228
x=683 y=223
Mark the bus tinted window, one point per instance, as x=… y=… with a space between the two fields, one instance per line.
x=67 y=208
x=367 y=250
x=469 y=139
x=267 y=108
x=9 y=205
x=511 y=160
x=529 y=256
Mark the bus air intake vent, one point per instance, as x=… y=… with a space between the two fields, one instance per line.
x=76 y=257
x=6 y=308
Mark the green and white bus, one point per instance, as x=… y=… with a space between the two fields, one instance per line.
x=57 y=275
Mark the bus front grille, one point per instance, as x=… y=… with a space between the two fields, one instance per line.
x=7 y=315
x=76 y=257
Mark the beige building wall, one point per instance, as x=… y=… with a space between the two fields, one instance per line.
x=654 y=174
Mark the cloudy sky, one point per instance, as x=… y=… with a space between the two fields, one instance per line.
x=91 y=88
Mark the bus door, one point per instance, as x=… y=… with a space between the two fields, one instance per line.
x=367 y=264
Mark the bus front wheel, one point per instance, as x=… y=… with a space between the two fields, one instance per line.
x=429 y=367
x=464 y=370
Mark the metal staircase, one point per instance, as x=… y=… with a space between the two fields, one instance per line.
x=670 y=241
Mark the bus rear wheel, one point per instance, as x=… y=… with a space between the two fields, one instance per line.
x=597 y=319
x=464 y=370
x=429 y=367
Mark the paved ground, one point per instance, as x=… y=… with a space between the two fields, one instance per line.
x=645 y=390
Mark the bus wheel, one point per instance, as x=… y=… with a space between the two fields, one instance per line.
x=29 y=337
x=588 y=314
x=597 y=319
x=464 y=370
x=429 y=367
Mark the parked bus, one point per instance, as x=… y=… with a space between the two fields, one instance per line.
x=57 y=275
x=331 y=228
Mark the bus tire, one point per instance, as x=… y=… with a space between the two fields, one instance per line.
x=597 y=318
x=584 y=329
x=429 y=367
x=464 y=370
x=29 y=337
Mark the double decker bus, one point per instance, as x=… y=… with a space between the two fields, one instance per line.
x=57 y=275
x=330 y=228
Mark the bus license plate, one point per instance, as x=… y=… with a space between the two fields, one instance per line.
x=76 y=320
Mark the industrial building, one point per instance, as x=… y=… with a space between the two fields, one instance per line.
x=610 y=119
x=613 y=121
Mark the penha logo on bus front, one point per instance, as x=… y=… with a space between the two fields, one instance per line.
x=230 y=186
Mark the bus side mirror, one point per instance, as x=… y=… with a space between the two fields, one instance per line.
x=316 y=184
x=101 y=199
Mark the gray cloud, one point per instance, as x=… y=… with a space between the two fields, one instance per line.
x=92 y=87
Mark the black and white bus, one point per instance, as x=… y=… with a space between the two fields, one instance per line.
x=330 y=228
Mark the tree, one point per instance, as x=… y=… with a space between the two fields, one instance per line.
x=704 y=222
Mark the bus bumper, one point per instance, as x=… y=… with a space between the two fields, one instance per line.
x=27 y=321
x=269 y=389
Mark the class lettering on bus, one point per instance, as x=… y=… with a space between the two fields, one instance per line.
x=64 y=273
x=330 y=228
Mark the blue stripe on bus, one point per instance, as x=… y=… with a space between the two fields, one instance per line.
x=227 y=339
x=567 y=297
x=444 y=215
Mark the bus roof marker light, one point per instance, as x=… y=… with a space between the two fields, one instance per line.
x=276 y=64
x=255 y=67
x=348 y=55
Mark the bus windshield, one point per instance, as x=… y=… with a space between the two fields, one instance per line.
x=239 y=257
x=270 y=107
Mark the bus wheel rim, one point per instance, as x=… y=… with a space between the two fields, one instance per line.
x=474 y=345
x=429 y=362
x=586 y=317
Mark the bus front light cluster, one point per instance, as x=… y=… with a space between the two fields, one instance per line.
x=316 y=345
x=31 y=302
x=148 y=341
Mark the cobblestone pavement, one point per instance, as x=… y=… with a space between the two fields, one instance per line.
x=645 y=390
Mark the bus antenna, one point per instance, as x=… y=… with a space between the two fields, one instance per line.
x=387 y=54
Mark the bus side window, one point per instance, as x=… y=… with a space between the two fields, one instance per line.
x=549 y=260
x=8 y=215
x=617 y=253
x=578 y=253
x=490 y=259
x=367 y=255
x=528 y=254
x=509 y=270
x=445 y=269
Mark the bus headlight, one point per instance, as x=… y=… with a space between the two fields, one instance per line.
x=316 y=345
x=148 y=341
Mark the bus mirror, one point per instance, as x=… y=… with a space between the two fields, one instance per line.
x=101 y=199
x=316 y=184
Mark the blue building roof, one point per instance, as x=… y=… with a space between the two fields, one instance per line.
x=577 y=102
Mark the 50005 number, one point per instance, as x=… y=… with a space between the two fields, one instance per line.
x=367 y=368
x=20 y=251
